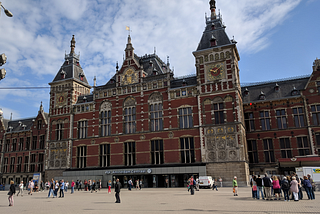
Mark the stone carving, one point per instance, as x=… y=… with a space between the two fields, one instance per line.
x=232 y=155
x=142 y=137
x=170 y=135
x=106 y=105
x=130 y=101
x=57 y=163
x=58 y=145
x=64 y=144
x=221 y=145
x=207 y=102
x=93 y=142
x=51 y=145
x=222 y=155
x=116 y=140
x=228 y=99
x=211 y=145
x=230 y=129
x=211 y=156
x=155 y=97
x=51 y=163
x=63 y=163
x=210 y=131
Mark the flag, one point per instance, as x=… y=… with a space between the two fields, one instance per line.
x=127 y=28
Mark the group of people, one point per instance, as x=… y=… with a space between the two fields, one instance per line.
x=138 y=184
x=90 y=185
x=56 y=186
x=271 y=188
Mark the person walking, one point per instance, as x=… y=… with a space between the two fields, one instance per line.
x=56 y=188
x=235 y=186
x=129 y=184
x=254 y=187
x=214 y=184
x=85 y=185
x=72 y=186
x=20 y=189
x=98 y=185
x=117 y=188
x=267 y=186
x=276 y=188
x=93 y=186
x=197 y=183
x=295 y=188
x=51 y=188
x=313 y=186
x=137 y=184
x=109 y=186
x=12 y=191
x=66 y=186
x=80 y=184
x=62 y=185
x=285 y=186
x=220 y=180
x=140 y=184
x=192 y=185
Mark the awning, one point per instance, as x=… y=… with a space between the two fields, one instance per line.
x=299 y=161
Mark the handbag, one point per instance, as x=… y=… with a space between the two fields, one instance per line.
x=254 y=188
x=10 y=193
x=234 y=190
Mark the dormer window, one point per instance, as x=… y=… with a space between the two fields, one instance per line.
x=63 y=74
x=155 y=72
x=24 y=127
x=10 y=128
x=150 y=63
x=112 y=81
x=294 y=91
x=184 y=82
x=213 y=41
x=81 y=76
x=277 y=87
x=246 y=92
x=262 y=96
x=212 y=26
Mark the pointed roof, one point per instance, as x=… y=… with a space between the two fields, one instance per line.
x=71 y=68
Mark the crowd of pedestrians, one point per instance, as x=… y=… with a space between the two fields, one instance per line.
x=275 y=188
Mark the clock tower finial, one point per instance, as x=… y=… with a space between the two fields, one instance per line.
x=213 y=9
x=73 y=44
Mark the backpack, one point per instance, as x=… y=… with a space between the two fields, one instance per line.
x=285 y=184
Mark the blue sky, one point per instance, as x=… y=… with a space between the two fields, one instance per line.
x=276 y=39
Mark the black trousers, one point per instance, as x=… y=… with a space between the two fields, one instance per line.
x=118 y=197
x=192 y=189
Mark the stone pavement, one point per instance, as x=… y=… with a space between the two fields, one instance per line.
x=161 y=200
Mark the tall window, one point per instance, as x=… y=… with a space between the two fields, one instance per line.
x=285 y=148
x=12 y=162
x=5 y=165
x=298 y=117
x=130 y=120
x=83 y=129
x=40 y=163
x=185 y=117
x=28 y=143
x=129 y=153
x=20 y=148
x=26 y=163
x=42 y=137
x=281 y=119
x=318 y=86
x=0 y=145
x=187 y=150
x=268 y=151
x=34 y=142
x=39 y=124
x=218 y=113
x=253 y=151
x=82 y=157
x=14 y=145
x=265 y=120
x=19 y=164
x=106 y=123
x=157 y=152
x=59 y=132
x=249 y=120
x=156 y=122
x=105 y=155
x=315 y=110
x=33 y=163
x=318 y=139
x=303 y=146
x=7 y=146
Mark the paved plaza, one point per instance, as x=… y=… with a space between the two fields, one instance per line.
x=160 y=200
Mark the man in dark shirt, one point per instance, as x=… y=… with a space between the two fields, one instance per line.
x=117 y=190
x=267 y=186
x=259 y=187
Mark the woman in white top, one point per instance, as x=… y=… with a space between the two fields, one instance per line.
x=20 y=188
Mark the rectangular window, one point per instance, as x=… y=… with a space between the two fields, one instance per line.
x=253 y=151
x=249 y=121
x=187 y=150
x=42 y=139
x=83 y=129
x=218 y=113
x=26 y=163
x=130 y=120
x=82 y=157
x=40 y=163
x=157 y=152
x=281 y=119
x=39 y=124
x=20 y=147
x=268 y=151
x=14 y=145
x=28 y=143
x=318 y=86
x=303 y=146
x=265 y=120
x=105 y=155
x=185 y=118
x=318 y=139
x=7 y=146
x=129 y=153
x=19 y=164
x=285 y=148
x=298 y=117
x=156 y=122
x=5 y=165
x=34 y=142
x=59 y=133
x=32 y=163
x=12 y=162
x=315 y=110
x=106 y=123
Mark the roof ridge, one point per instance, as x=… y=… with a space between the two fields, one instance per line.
x=276 y=80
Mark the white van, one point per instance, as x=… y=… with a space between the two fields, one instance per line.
x=205 y=181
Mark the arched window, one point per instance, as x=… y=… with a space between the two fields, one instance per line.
x=155 y=108
x=105 y=119
x=185 y=117
x=218 y=107
x=129 y=115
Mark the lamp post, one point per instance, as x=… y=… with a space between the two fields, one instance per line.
x=3 y=57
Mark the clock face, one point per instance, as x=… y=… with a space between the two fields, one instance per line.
x=61 y=99
x=215 y=71
x=129 y=77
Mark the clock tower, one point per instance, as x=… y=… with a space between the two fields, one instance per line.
x=222 y=131
x=69 y=83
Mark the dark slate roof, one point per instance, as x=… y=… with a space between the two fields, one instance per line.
x=218 y=33
x=20 y=125
x=286 y=88
x=178 y=82
x=72 y=68
x=88 y=98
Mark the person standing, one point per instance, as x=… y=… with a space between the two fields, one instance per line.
x=93 y=186
x=109 y=186
x=254 y=187
x=80 y=184
x=192 y=185
x=66 y=186
x=285 y=186
x=85 y=185
x=12 y=191
x=56 y=188
x=140 y=184
x=267 y=186
x=20 y=189
x=72 y=186
x=117 y=188
x=307 y=186
x=220 y=180
x=295 y=188
x=51 y=187
x=313 y=186
x=137 y=184
x=235 y=186
x=62 y=185
x=214 y=184
x=197 y=184
x=129 y=184
x=259 y=182
x=276 y=187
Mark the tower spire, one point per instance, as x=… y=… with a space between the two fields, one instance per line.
x=73 y=44
x=213 y=9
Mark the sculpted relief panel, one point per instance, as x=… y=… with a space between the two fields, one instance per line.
x=58 y=155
